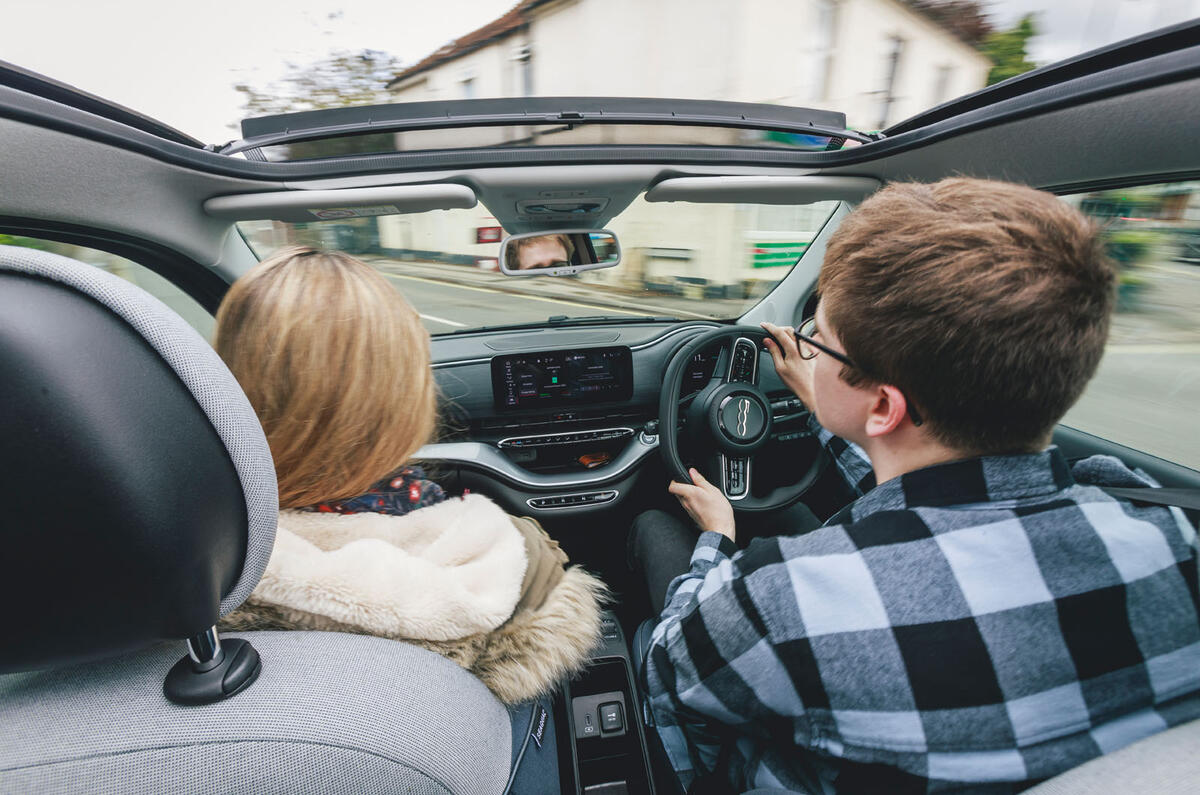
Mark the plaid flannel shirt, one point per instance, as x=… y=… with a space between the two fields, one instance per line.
x=988 y=622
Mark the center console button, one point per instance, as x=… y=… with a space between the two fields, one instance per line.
x=611 y=719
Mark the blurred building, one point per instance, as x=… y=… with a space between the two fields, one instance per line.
x=877 y=61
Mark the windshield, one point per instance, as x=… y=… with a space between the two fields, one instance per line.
x=680 y=261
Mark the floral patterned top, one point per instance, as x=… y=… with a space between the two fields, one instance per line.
x=402 y=492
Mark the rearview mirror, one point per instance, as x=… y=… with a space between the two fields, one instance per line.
x=558 y=253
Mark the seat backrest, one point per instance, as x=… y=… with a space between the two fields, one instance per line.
x=140 y=506
x=1165 y=764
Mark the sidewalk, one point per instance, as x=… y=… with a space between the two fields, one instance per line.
x=568 y=289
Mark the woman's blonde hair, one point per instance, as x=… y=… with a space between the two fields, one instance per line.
x=336 y=364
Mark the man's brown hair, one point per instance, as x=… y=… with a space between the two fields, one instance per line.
x=336 y=365
x=518 y=245
x=986 y=303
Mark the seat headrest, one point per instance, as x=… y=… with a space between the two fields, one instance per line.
x=138 y=491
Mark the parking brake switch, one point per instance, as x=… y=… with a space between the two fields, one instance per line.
x=611 y=719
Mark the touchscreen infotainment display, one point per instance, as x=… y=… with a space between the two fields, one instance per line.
x=551 y=379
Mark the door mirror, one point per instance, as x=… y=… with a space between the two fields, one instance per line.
x=559 y=253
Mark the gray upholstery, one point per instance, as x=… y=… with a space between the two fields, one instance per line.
x=330 y=713
x=1165 y=764
x=204 y=374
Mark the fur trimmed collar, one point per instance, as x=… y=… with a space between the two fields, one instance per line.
x=440 y=573
x=447 y=577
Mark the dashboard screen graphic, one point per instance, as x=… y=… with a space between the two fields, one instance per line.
x=551 y=379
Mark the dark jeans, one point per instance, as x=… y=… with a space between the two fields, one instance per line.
x=661 y=543
x=659 y=549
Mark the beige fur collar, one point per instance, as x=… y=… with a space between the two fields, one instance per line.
x=441 y=573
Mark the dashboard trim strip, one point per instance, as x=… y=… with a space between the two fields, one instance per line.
x=485 y=456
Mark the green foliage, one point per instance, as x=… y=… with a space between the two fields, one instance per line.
x=1128 y=247
x=1008 y=50
x=28 y=242
x=967 y=19
x=340 y=79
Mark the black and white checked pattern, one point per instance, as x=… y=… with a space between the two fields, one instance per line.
x=989 y=622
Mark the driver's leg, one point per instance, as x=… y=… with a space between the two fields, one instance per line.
x=660 y=549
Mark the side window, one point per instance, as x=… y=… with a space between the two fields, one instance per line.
x=1146 y=392
x=185 y=306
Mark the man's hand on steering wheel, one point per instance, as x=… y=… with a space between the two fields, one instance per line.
x=730 y=420
x=796 y=373
x=705 y=503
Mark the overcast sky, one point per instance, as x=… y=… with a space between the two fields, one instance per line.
x=179 y=61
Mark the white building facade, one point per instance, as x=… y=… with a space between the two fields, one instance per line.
x=877 y=61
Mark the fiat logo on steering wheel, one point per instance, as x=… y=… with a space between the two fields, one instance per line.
x=740 y=417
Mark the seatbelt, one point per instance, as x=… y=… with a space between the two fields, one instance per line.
x=1182 y=498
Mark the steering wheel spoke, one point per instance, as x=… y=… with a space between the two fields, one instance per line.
x=721 y=368
x=741 y=367
x=735 y=477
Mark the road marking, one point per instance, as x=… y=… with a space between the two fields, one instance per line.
x=1153 y=348
x=652 y=309
x=443 y=320
x=1177 y=269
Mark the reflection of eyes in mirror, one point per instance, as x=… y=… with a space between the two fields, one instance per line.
x=546 y=251
x=561 y=253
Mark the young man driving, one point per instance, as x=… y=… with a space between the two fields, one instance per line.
x=985 y=615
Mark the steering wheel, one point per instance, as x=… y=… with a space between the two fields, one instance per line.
x=728 y=421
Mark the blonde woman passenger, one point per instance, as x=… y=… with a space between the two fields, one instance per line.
x=336 y=364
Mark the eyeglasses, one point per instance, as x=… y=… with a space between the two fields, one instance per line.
x=809 y=348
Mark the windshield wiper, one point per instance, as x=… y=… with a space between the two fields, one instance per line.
x=564 y=320
x=561 y=321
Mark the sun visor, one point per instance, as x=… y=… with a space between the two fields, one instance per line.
x=306 y=206
x=763 y=190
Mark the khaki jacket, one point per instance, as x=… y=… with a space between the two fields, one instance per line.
x=461 y=578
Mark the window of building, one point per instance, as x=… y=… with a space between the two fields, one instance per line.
x=894 y=53
x=941 y=84
x=522 y=57
x=824 y=35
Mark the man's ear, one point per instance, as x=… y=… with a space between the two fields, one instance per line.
x=887 y=411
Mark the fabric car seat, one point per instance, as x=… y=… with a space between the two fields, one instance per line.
x=140 y=506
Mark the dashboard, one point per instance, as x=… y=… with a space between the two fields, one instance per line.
x=562 y=421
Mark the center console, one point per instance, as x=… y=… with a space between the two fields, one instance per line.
x=603 y=748
x=550 y=415
x=555 y=431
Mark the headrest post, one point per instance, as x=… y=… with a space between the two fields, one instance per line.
x=205 y=649
x=212 y=672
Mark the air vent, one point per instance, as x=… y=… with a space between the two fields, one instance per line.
x=555 y=439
